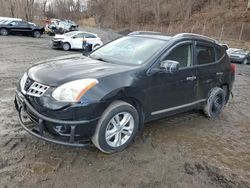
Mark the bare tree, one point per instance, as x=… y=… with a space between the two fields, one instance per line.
x=29 y=9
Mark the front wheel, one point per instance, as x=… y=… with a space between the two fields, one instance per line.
x=36 y=34
x=245 y=61
x=215 y=102
x=117 y=127
x=66 y=46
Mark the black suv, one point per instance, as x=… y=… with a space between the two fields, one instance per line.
x=108 y=96
x=21 y=27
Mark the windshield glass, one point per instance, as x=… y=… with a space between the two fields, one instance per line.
x=240 y=52
x=129 y=50
x=70 y=33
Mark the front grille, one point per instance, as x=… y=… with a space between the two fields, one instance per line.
x=37 y=89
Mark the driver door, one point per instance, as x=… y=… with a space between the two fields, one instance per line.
x=171 y=93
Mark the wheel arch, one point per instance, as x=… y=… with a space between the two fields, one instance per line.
x=225 y=87
x=132 y=96
x=67 y=43
x=138 y=106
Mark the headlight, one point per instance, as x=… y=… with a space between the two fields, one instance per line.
x=73 y=91
x=23 y=81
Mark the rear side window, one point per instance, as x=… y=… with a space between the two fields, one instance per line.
x=89 y=35
x=205 y=54
x=23 y=24
x=220 y=53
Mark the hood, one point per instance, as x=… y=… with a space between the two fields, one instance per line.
x=57 y=71
x=60 y=37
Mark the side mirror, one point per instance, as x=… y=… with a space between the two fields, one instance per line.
x=73 y=37
x=169 y=66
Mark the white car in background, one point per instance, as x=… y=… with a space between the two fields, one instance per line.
x=74 y=40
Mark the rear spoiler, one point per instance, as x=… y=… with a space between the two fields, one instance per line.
x=225 y=46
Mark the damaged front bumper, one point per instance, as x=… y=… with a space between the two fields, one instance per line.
x=37 y=124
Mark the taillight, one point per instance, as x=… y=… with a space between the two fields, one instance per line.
x=233 y=68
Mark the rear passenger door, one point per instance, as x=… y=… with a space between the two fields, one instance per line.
x=91 y=39
x=209 y=70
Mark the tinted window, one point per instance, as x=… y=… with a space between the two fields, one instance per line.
x=23 y=24
x=89 y=35
x=14 y=23
x=80 y=35
x=182 y=54
x=205 y=54
x=220 y=53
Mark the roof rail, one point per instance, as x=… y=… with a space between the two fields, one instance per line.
x=144 y=33
x=195 y=35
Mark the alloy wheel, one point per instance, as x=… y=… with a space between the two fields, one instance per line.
x=66 y=47
x=4 y=32
x=119 y=129
x=217 y=104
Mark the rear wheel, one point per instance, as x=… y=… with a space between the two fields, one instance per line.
x=215 y=103
x=36 y=34
x=66 y=46
x=4 y=32
x=117 y=127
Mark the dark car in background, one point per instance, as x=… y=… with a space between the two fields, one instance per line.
x=21 y=28
x=107 y=97
x=239 y=55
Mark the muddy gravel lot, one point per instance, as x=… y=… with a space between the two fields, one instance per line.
x=183 y=151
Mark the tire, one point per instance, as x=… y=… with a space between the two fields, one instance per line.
x=215 y=103
x=66 y=46
x=4 y=32
x=36 y=34
x=121 y=134
x=245 y=61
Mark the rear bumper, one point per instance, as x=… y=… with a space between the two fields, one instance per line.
x=44 y=127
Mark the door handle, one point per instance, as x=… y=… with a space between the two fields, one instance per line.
x=191 y=78
x=219 y=73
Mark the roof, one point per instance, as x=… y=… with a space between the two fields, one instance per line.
x=77 y=32
x=162 y=36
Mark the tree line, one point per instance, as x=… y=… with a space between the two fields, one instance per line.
x=156 y=12
x=111 y=13
x=33 y=10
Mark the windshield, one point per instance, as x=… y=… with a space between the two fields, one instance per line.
x=70 y=33
x=129 y=50
x=240 y=52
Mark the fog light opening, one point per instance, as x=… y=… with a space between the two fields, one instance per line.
x=62 y=129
